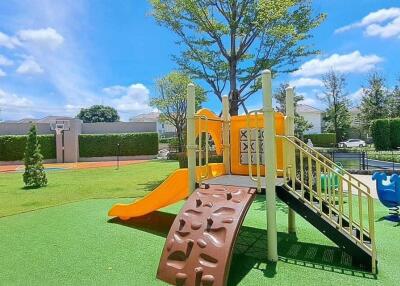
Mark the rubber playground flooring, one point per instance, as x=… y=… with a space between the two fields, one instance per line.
x=75 y=244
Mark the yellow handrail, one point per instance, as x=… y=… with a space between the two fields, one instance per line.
x=200 y=148
x=333 y=193
x=257 y=141
x=327 y=160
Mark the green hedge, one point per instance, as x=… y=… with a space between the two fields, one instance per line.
x=321 y=140
x=12 y=147
x=183 y=160
x=131 y=144
x=380 y=131
x=395 y=133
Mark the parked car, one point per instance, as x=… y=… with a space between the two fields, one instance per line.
x=352 y=143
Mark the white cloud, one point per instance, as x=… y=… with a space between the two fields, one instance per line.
x=7 y=41
x=353 y=62
x=8 y=100
x=306 y=81
x=384 y=23
x=29 y=66
x=357 y=95
x=116 y=90
x=5 y=61
x=309 y=101
x=133 y=98
x=48 y=37
x=2 y=73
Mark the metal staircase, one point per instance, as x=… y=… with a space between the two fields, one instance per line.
x=330 y=198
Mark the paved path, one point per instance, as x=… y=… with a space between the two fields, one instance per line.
x=79 y=165
x=367 y=179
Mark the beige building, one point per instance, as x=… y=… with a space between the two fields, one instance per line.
x=163 y=128
x=312 y=115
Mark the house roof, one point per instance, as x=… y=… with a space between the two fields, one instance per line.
x=47 y=119
x=304 y=108
x=146 y=117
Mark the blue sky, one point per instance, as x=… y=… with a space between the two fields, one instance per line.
x=59 y=56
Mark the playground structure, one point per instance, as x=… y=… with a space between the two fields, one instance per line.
x=389 y=194
x=260 y=154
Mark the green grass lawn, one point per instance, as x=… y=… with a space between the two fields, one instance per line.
x=74 y=244
x=74 y=185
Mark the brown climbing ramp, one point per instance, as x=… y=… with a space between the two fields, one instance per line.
x=199 y=246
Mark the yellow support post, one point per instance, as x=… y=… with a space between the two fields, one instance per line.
x=191 y=136
x=289 y=102
x=225 y=134
x=270 y=165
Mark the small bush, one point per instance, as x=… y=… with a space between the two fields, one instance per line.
x=34 y=175
x=395 y=133
x=380 y=131
x=131 y=144
x=321 y=140
x=12 y=147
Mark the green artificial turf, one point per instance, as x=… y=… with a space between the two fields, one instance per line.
x=74 y=244
x=73 y=185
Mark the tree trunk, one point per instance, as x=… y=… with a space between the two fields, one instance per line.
x=180 y=139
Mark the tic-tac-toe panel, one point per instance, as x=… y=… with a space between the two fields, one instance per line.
x=240 y=145
x=248 y=141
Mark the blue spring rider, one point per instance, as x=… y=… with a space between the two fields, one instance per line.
x=389 y=194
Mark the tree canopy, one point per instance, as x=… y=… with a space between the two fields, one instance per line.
x=171 y=100
x=337 y=115
x=301 y=125
x=232 y=41
x=374 y=103
x=98 y=113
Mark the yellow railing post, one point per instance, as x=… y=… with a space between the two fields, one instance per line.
x=270 y=165
x=291 y=152
x=225 y=133
x=191 y=137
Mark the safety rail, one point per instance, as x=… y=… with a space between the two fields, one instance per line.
x=332 y=192
x=257 y=134
x=329 y=162
x=206 y=150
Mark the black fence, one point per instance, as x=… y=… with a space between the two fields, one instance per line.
x=366 y=160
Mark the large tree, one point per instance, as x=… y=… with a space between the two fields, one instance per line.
x=171 y=101
x=301 y=125
x=98 y=113
x=337 y=115
x=374 y=102
x=394 y=101
x=232 y=41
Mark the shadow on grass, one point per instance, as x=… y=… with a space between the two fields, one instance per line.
x=250 y=252
x=150 y=186
x=32 y=187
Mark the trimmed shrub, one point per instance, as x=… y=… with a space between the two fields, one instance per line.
x=131 y=144
x=321 y=140
x=183 y=161
x=12 y=147
x=34 y=175
x=395 y=133
x=380 y=131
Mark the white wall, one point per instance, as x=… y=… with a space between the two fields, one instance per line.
x=315 y=119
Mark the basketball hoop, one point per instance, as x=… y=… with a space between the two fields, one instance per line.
x=59 y=126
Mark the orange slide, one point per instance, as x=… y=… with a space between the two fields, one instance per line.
x=172 y=190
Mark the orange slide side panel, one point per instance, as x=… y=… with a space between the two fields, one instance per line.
x=213 y=126
x=172 y=190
